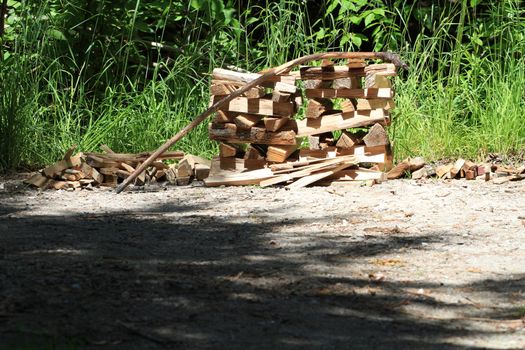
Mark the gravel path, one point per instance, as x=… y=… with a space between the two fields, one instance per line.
x=401 y=265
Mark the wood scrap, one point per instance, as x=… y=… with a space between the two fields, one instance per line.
x=407 y=165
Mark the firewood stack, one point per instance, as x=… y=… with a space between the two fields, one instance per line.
x=88 y=170
x=347 y=109
x=260 y=118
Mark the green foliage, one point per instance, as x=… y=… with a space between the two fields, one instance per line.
x=132 y=73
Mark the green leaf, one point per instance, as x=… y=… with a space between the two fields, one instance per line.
x=356 y=40
x=345 y=38
x=369 y=19
x=197 y=4
x=331 y=7
x=474 y=3
x=320 y=34
x=56 y=34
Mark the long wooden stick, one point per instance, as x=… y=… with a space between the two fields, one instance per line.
x=385 y=56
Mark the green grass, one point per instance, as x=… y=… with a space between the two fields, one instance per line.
x=463 y=95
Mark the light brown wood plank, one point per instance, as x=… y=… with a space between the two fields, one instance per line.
x=310 y=179
x=339 y=121
x=262 y=106
x=254 y=135
x=350 y=93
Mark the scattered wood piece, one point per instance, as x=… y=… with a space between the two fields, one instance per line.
x=278 y=96
x=346 y=83
x=456 y=168
x=228 y=163
x=443 y=171
x=359 y=174
x=369 y=104
x=202 y=171
x=57 y=168
x=310 y=179
x=347 y=107
x=38 y=180
x=407 y=165
x=285 y=88
x=420 y=174
x=246 y=178
x=224 y=117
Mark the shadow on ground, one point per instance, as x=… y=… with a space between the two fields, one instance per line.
x=169 y=277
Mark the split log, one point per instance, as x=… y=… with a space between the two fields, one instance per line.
x=247 y=121
x=318 y=107
x=376 y=136
x=279 y=153
x=275 y=124
x=348 y=140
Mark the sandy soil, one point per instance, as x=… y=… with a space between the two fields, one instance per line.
x=402 y=265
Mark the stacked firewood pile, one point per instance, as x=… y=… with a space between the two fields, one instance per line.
x=346 y=110
x=88 y=170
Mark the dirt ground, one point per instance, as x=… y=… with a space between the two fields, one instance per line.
x=401 y=265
